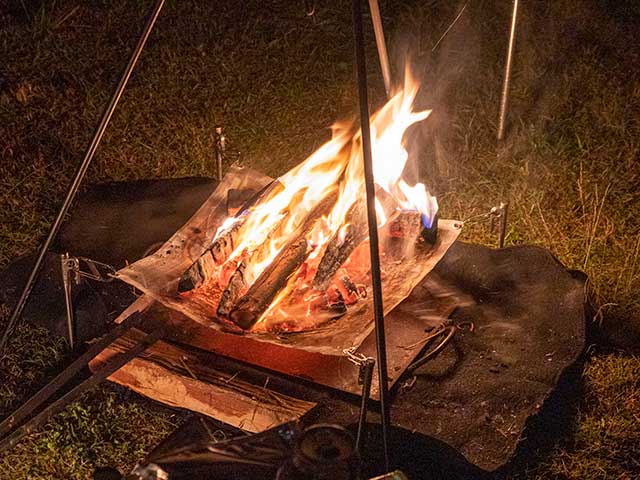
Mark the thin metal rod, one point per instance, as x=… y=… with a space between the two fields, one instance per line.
x=446 y=32
x=82 y=169
x=381 y=44
x=502 y=231
x=507 y=72
x=67 y=374
x=376 y=282
x=65 y=263
x=111 y=366
x=220 y=144
x=367 y=376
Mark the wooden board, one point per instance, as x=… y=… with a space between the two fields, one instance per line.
x=180 y=378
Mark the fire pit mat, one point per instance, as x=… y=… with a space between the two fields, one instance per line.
x=492 y=393
x=157 y=275
x=497 y=389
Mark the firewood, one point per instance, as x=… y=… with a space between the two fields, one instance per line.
x=215 y=255
x=260 y=295
x=224 y=244
x=406 y=224
x=238 y=282
x=262 y=292
x=430 y=234
x=186 y=378
x=345 y=240
x=234 y=289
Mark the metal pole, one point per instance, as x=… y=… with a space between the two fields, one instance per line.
x=65 y=263
x=376 y=282
x=220 y=145
x=381 y=44
x=366 y=373
x=73 y=188
x=502 y=231
x=507 y=72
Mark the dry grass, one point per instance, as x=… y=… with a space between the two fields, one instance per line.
x=276 y=79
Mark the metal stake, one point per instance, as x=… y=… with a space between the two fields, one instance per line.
x=73 y=188
x=507 y=72
x=376 y=282
x=220 y=144
x=366 y=375
x=69 y=266
x=381 y=44
x=502 y=229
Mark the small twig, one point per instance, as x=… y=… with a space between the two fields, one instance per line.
x=186 y=367
x=455 y=20
x=598 y=317
x=66 y=17
x=596 y=222
x=544 y=222
x=232 y=377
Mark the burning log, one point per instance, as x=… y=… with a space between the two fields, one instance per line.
x=430 y=234
x=215 y=255
x=224 y=243
x=234 y=289
x=260 y=295
x=274 y=278
x=344 y=242
x=238 y=284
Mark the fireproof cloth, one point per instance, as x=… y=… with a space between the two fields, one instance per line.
x=158 y=274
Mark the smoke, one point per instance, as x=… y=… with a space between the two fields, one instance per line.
x=442 y=62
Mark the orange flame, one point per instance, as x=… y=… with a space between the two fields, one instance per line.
x=336 y=168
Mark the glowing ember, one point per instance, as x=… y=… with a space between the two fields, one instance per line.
x=309 y=225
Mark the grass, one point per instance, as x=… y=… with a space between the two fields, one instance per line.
x=276 y=78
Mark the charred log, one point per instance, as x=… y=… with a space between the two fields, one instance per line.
x=404 y=225
x=233 y=291
x=215 y=255
x=341 y=245
x=224 y=244
x=345 y=241
x=260 y=295
x=430 y=234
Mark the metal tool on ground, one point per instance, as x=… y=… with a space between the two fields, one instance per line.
x=376 y=281
x=446 y=333
x=507 y=72
x=79 y=176
x=109 y=368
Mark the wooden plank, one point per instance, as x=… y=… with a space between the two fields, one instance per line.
x=180 y=378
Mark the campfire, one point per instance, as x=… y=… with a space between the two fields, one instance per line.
x=295 y=256
x=287 y=261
